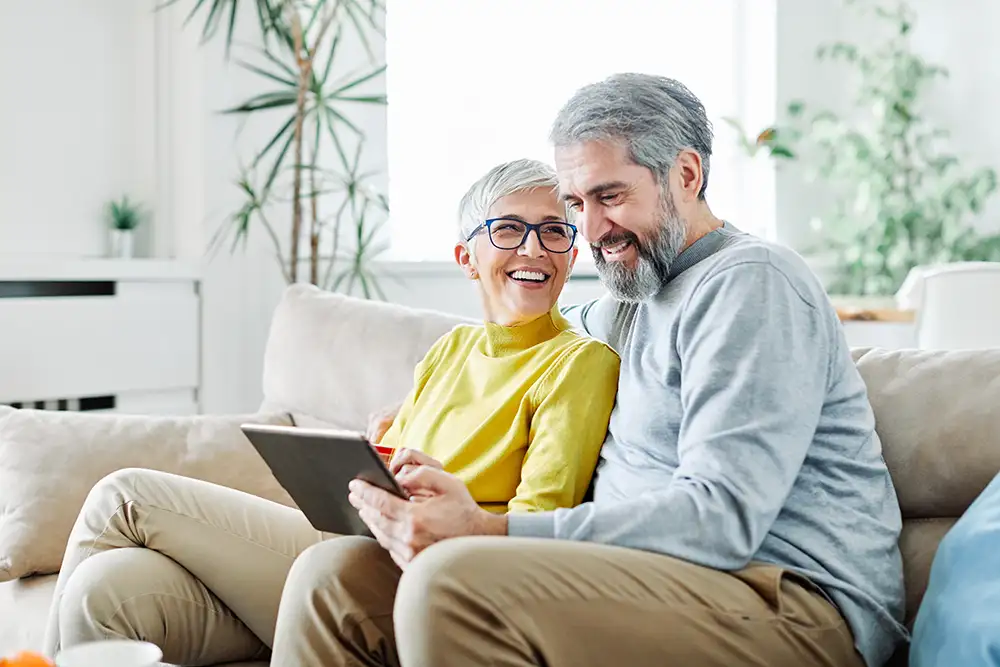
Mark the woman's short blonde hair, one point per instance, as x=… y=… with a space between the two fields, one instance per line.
x=500 y=181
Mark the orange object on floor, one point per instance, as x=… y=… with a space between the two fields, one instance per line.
x=27 y=659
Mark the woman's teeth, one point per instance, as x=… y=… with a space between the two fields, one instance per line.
x=530 y=276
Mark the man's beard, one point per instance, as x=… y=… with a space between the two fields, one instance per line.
x=655 y=255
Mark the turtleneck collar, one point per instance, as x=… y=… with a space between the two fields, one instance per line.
x=503 y=340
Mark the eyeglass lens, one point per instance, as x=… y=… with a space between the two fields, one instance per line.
x=509 y=234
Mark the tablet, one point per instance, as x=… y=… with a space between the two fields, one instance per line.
x=315 y=466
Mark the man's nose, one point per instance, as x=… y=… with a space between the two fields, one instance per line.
x=592 y=223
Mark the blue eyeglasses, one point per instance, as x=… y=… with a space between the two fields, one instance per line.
x=511 y=233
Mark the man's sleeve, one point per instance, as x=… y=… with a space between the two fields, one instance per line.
x=754 y=370
x=593 y=317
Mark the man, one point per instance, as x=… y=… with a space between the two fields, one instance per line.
x=742 y=513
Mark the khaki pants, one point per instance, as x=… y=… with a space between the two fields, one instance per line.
x=213 y=575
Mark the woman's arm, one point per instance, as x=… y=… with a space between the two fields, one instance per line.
x=573 y=404
x=392 y=421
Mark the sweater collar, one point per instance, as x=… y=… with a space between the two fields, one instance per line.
x=706 y=246
x=504 y=340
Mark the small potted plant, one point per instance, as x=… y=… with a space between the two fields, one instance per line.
x=123 y=216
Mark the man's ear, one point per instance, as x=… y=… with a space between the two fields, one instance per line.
x=572 y=259
x=689 y=171
x=465 y=261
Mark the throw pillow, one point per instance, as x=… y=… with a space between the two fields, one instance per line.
x=958 y=622
x=49 y=461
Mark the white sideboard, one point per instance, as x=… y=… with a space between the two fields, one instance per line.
x=100 y=335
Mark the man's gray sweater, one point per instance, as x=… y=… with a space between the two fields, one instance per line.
x=742 y=432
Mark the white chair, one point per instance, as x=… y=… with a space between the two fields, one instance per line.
x=958 y=306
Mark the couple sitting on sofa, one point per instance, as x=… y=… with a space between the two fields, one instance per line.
x=741 y=509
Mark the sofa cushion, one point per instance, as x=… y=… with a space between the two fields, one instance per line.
x=938 y=416
x=28 y=601
x=50 y=460
x=333 y=359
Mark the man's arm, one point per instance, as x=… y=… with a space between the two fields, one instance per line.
x=593 y=317
x=754 y=369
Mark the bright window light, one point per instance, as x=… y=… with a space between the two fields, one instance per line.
x=472 y=83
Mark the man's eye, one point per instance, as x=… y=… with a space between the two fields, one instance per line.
x=609 y=199
x=574 y=206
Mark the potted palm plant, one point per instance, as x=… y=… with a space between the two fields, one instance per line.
x=308 y=171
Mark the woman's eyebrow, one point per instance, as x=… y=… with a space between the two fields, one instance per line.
x=515 y=216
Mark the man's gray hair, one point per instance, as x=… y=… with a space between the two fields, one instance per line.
x=655 y=117
x=500 y=181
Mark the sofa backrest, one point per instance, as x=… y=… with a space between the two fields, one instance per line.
x=938 y=416
x=333 y=360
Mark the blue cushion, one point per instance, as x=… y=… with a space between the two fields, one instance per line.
x=958 y=623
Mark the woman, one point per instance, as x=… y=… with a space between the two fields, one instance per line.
x=517 y=408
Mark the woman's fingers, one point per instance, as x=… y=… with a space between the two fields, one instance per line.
x=379 y=422
x=411 y=458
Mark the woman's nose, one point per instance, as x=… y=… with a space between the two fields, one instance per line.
x=532 y=246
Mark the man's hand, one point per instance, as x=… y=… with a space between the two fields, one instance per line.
x=379 y=422
x=445 y=509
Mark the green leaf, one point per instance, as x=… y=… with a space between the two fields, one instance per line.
x=287 y=69
x=350 y=7
x=357 y=82
x=365 y=99
x=329 y=60
x=317 y=7
x=266 y=101
x=328 y=116
x=212 y=22
x=781 y=151
x=273 y=174
x=288 y=127
x=269 y=75
x=232 y=26
x=343 y=119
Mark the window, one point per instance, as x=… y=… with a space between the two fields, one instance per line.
x=472 y=83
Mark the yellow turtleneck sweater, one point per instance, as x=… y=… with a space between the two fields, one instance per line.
x=518 y=413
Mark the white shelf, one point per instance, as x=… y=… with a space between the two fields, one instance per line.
x=142 y=270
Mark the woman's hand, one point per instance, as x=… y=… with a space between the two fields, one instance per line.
x=379 y=422
x=406 y=460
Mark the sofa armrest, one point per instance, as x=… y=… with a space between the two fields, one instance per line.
x=49 y=461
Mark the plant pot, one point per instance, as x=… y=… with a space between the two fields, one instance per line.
x=122 y=243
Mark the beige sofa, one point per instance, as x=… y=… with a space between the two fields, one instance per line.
x=331 y=360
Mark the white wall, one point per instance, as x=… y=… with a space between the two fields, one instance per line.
x=76 y=121
x=116 y=100
x=958 y=36
x=103 y=97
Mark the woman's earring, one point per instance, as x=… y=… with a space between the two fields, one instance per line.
x=475 y=274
